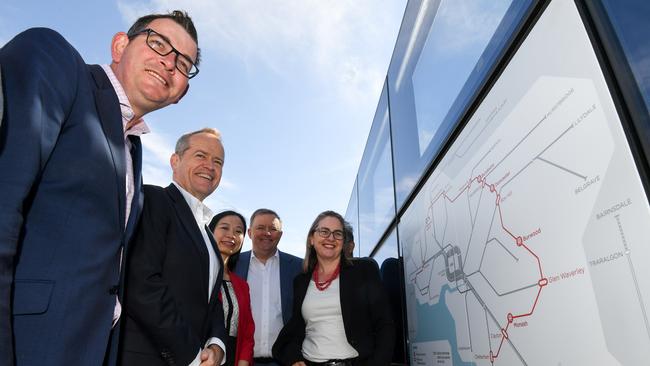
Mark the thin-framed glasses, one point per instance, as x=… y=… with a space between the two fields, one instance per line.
x=161 y=45
x=325 y=233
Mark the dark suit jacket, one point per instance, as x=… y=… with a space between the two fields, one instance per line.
x=366 y=317
x=290 y=267
x=62 y=204
x=168 y=316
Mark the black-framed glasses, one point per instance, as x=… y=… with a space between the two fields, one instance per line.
x=325 y=233
x=162 y=46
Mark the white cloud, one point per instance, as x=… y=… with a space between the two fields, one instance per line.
x=158 y=145
x=327 y=59
x=133 y=10
x=155 y=175
x=287 y=35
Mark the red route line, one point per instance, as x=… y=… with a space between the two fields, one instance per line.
x=543 y=281
x=503 y=226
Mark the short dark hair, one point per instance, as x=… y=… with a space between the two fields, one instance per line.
x=349 y=232
x=265 y=211
x=234 y=258
x=181 y=17
x=348 y=245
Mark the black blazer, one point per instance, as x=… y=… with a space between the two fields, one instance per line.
x=366 y=315
x=168 y=317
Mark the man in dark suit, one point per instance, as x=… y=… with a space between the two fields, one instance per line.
x=270 y=274
x=70 y=163
x=173 y=316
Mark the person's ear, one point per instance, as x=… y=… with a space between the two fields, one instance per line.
x=173 y=161
x=118 y=45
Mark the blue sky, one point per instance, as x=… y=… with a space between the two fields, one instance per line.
x=291 y=84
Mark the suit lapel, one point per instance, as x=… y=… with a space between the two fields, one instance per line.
x=110 y=116
x=285 y=285
x=346 y=294
x=186 y=217
x=242 y=265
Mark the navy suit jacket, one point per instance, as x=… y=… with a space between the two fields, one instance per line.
x=168 y=317
x=62 y=206
x=366 y=314
x=290 y=267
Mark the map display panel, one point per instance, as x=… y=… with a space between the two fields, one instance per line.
x=528 y=244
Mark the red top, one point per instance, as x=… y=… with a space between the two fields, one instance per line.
x=245 y=323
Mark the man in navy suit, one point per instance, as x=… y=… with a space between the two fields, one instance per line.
x=70 y=164
x=269 y=274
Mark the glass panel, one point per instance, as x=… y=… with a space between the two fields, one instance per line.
x=443 y=54
x=352 y=216
x=375 y=180
x=535 y=218
x=630 y=22
x=388 y=249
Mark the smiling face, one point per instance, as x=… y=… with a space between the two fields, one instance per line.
x=229 y=234
x=265 y=233
x=198 y=169
x=327 y=248
x=151 y=81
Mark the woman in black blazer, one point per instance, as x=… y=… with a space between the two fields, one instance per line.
x=341 y=314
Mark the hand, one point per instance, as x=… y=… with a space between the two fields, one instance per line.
x=211 y=356
x=299 y=363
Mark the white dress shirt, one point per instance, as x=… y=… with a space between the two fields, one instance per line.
x=202 y=216
x=266 y=305
x=138 y=129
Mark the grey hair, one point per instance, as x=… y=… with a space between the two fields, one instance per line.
x=183 y=142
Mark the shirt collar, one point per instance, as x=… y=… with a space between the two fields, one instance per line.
x=140 y=127
x=275 y=255
x=201 y=212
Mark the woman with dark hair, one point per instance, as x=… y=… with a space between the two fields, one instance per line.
x=228 y=228
x=341 y=314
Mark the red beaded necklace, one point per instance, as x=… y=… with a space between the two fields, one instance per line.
x=322 y=285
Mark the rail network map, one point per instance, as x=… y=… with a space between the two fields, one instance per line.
x=528 y=244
